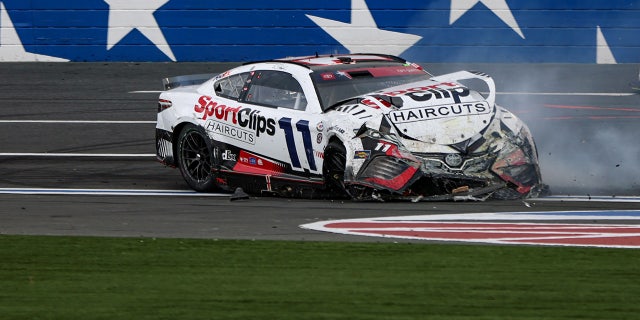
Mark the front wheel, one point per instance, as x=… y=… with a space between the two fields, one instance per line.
x=335 y=161
x=195 y=159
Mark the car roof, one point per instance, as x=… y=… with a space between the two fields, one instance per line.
x=337 y=61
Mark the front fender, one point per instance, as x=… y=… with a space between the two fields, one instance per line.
x=379 y=161
x=344 y=133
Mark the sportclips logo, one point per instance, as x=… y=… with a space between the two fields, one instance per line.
x=439 y=112
x=426 y=93
x=245 y=118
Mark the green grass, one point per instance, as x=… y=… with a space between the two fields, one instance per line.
x=115 y=278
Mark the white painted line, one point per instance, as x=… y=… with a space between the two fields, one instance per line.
x=80 y=121
x=109 y=192
x=105 y=155
x=634 y=199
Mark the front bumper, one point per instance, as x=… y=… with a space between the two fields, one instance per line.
x=509 y=173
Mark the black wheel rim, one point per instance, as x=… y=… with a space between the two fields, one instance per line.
x=195 y=156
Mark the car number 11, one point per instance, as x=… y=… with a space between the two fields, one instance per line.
x=302 y=126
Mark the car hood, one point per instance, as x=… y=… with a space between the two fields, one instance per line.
x=439 y=110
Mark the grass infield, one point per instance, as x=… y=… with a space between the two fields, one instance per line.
x=128 y=278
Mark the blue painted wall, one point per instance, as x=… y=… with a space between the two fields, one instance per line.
x=576 y=31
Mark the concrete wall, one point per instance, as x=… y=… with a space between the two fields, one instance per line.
x=440 y=31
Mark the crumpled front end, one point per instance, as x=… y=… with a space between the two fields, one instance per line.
x=439 y=140
x=504 y=166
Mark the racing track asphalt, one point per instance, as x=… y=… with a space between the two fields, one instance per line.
x=582 y=116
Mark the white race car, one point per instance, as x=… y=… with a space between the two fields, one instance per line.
x=364 y=126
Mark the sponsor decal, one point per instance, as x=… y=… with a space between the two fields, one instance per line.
x=246 y=118
x=229 y=131
x=439 y=112
x=328 y=76
x=249 y=118
x=422 y=89
x=376 y=105
x=361 y=154
x=228 y=156
x=455 y=94
x=386 y=71
x=222 y=75
x=444 y=90
x=343 y=74
x=370 y=103
x=337 y=129
x=209 y=108
x=249 y=162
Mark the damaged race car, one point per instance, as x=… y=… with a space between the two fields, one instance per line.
x=362 y=126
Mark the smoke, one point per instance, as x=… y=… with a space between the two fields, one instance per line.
x=586 y=156
x=588 y=140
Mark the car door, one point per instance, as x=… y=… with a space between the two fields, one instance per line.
x=286 y=134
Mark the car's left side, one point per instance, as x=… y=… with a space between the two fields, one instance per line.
x=256 y=125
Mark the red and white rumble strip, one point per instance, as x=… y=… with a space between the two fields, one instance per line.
x=502 y=228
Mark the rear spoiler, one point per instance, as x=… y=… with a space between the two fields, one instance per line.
x=188 y=80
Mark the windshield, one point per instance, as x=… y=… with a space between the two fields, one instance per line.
x=348 y=81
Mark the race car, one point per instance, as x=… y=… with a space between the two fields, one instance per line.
x=360 y=126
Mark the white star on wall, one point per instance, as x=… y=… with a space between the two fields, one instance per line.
x=126 y=15
x=498 y=7
x=11 y=48
x=363 y=35
x=603 y=52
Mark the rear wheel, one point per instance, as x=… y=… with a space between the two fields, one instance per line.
x=195 y=159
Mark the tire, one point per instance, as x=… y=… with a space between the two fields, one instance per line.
x=195 y=159
x=335 y=161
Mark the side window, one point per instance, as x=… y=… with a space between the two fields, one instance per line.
x=231 y=87
x=276 y=89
